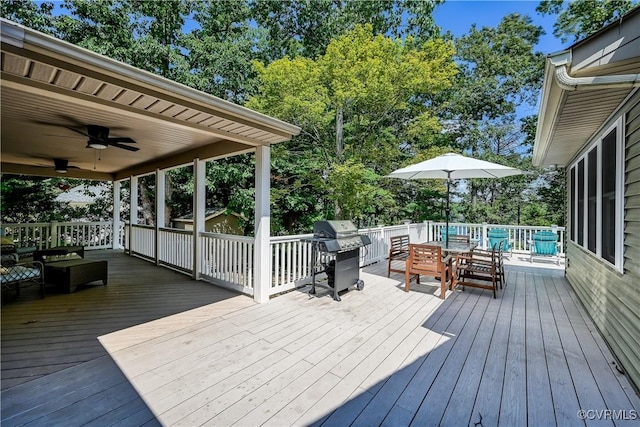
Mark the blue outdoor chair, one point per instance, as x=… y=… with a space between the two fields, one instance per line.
x=451 y=231
x=497 y=235
x=545 y=244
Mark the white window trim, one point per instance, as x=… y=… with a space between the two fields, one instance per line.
x=619 y=127
x=620 y=144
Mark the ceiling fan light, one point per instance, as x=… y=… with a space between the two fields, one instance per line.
x=95 y=144
x=60 y=165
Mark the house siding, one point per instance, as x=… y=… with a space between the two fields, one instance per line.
x=611 y=298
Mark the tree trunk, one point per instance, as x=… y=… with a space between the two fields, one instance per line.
x=168 y=196
x=339 y=152
x=339 y=134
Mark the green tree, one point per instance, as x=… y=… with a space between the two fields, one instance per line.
x=103 y=26
x=36 y=16
x=500 y=72
x=222 y=48
x=578 y=19
x=305 y=28
x=365 y=99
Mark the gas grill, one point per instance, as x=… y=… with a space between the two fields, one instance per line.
x=335 y=250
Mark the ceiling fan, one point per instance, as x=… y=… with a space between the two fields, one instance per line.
x=60 y=165
x=99 y=138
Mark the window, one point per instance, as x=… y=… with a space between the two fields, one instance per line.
x=572 y=204
x=609 y=197
x=596 y=184
x=580 y=203
x=592 y=202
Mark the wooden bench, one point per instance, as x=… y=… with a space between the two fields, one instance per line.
x=398 y=251
x=70 y=274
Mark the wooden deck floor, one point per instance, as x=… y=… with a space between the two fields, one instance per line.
x=380 y=357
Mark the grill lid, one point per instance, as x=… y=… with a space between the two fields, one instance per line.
x=334 y=229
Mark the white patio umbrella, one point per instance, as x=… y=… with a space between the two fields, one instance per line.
x=453 y=166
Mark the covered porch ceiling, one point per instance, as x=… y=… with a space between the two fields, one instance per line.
x=51 y=89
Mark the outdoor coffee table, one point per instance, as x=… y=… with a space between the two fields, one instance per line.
x=42 y=254
x=69 y=274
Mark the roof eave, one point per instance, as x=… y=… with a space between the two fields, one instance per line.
x=29 y=39
x=550 y=104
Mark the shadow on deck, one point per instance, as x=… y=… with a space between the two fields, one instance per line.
x=380 y=357
x=52 y=362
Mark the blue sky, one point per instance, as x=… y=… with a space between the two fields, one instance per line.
x=458 y=16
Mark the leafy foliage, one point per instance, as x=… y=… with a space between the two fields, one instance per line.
x=361 y=105
x=578 y=19
x=372 y=84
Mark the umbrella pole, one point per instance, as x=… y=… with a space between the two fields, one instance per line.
x=447 y=211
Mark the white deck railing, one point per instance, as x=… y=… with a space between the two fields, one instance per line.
x=142 y=240
x=175 y=249
x=227 y=260
x=290 y=262
x=520 y=236
x=91 y=235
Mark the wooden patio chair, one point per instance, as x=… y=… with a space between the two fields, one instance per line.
x=459 y=238
x=480 y=269
x=398 y=251
x=427 y=260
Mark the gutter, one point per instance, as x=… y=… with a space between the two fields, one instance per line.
x=562 y=61
x=619 y=81
x=556 y=83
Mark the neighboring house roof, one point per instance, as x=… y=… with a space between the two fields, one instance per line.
x=583 y=86
x=209 y=214
x=82 y=194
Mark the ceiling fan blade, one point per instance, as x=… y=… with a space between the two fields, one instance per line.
x=65 y=136
x=124 y=147
x=121 y=140
x=78 y=131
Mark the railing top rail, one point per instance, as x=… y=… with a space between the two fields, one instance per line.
x=275 y=239
x=377 y=227
x=150 y=227
x=28 y=224
x=83 y=223
x=232 y=237
x=176 y=230
x=511 y=227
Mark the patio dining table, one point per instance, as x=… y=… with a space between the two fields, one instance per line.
x=454 y=248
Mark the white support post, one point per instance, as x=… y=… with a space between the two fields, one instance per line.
x=54 y=234
x=199 y=201
x=133 y=209
x=485 y=237
x=160 y=202
x=115 y=233
x=262 y=248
